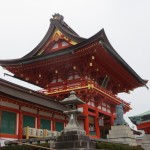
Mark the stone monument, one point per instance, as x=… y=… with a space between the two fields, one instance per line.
x=121 y=132
x=73 y=136
x=119 y=115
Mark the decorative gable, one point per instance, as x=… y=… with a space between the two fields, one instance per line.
x=56 y=42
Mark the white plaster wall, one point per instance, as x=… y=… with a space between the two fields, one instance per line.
x=10 y=105
x=47 y=114
x=27 y=109
x=59 y=117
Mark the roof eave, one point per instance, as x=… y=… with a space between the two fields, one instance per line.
x=113 y=52
x=29 y=95
x=53 y=25
x=69 y=50
x=99 y=36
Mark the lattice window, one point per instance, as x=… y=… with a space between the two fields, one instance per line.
x=45 y=124
x=28 y=121
x=59 y=126
x=8 y=122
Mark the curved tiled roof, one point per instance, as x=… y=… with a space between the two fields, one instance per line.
x=140 y=118
x=25 y=94
x=57 y=22
x=142 y=114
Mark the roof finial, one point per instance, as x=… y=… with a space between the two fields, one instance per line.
x=57 y=16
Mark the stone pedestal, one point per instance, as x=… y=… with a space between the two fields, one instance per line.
x=122 y=134
x=146 y=142
x=74 y=140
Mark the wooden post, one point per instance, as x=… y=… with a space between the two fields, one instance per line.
x=20 y=125
x=53 y=123
x=65 y=121
x=112 y=117
x=27 y=132
x=38 y=120
x=0 y=120
x=86 y=121
x=97 y=129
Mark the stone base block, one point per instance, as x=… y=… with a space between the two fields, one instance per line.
x=73 y=137
x=74 y=141
x=74 y=144
x=122 y=134
x=146 y=142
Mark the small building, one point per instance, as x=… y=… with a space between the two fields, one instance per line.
x=64 y=61
x=21 y=107
x=142 y=121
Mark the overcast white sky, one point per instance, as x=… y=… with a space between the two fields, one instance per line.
x=23 y=23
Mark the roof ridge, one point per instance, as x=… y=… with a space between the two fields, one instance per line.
x=56 y=22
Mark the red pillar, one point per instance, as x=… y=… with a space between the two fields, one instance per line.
x=38 y=120
x=112 y=117
x=20 y=125
x=97 y=129
x=53 y=123
x=86 y=121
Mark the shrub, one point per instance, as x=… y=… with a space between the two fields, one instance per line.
x=114 y=146
x=25 y=147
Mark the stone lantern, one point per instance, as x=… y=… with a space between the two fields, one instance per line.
x=71 y=102
x=73 y=136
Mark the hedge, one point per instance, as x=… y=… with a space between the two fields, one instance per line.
x=114 y=146
x=99 y=145
x=25 y=147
